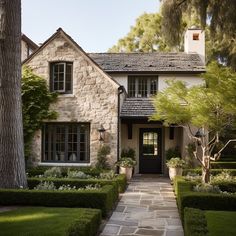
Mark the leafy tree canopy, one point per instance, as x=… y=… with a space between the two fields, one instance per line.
x=145 y=36
x=218 y=16
x=211 y=106
x=36 y=100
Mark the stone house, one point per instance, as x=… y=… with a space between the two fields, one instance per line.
x=27 y=47
x=111 y=91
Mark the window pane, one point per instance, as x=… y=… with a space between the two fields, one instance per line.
x=131 y=87
x=142 y=87
x=153 y=84
x=150 y=144
x=66 y=143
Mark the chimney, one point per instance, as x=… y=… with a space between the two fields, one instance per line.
x=194 y=42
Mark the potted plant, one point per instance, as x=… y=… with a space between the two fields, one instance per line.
x=175 y=165
x=126 y=165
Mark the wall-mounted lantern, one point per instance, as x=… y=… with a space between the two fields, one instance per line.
x=101 y=131
x=199 y=134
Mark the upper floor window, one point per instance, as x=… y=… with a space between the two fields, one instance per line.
x=142 y=86
x=61 y=77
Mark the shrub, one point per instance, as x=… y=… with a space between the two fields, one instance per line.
x=126 y=162
x=108 y=175
x=172 y=152
x=103 y=198
x=226 y=185
x=223 y=165
x=175 y=162
x=206 y=188
x=128 y=152
x=213 y=171
x=54 y=172
x=45 y=186
x=77 y=174
x=102 y=162
x=195 y=223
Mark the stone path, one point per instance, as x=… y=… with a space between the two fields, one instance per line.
x=148 y=207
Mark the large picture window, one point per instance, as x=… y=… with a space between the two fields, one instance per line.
x=64 y=142
x=142 y=86
x=61 y=77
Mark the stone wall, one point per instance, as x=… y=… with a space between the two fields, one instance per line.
x=94 y=98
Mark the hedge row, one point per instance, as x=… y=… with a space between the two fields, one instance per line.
x=226 y=186
x=86 y=226
x=39 y=170
x=119 y=182
x=195 y=223
x=213 y=171
x=100 y=199
x=186 y=197
x=223 y=165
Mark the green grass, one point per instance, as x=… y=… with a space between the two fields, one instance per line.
x=41 y=221
x=221 y=223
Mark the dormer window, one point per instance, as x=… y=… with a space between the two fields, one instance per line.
x=142 y=86
x=61 y=77
x=195 y=36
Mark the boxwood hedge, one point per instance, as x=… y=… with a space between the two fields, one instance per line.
x=213 y=171
x=100 y=199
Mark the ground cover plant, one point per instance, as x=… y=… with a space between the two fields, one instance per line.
x=38 y=221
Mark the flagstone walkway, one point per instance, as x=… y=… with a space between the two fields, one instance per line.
x=148 y=207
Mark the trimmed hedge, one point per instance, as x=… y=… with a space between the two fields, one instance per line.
x=223 y=165
x=204 y=201
x=213 y=171
x=195 y=223
x=86 y=226
x=100 y=199
x=39 y=170
x=228 y=186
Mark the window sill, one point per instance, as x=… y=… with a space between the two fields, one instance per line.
x=63 y=164
x=66 y=95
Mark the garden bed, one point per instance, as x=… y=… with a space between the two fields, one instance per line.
x=39 y=221
x=103 y=198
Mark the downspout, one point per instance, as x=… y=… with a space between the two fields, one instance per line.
x=121 y=90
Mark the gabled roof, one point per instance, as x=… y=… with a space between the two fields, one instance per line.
x=149 y=62
x=61 y=32
x=137 y=107
x=29 y=42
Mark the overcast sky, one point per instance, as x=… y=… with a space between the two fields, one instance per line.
x=96 y=25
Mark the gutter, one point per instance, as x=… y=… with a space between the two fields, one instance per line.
x=121 y=90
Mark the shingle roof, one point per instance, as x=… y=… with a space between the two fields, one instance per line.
x=149 y=62
x=137 y=107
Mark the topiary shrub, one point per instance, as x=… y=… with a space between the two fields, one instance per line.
x=54 y=172
x=102 y=162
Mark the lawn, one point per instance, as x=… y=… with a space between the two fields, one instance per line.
x=221 y=223
x=35 y=221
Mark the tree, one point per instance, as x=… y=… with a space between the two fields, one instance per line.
x=145 y=36
x=12 y=162
x=219 y=16
x=36 y=99
x=210 y=107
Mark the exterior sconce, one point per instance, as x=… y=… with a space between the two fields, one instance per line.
x=199 y=134
x=101 y=131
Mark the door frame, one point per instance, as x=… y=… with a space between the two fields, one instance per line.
x=160 y=148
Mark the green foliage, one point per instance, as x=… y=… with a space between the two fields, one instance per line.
x=224 y=165
x=206 y=188
x=180 y=104
x=126 y=162
x=145 y=36
x=50 y=221
x=53 y=172
x=172 y=152
x=77 y=175
x=128 y=152
x=219 y=18
x=213 y=171
x=36 y=100
x=103 y=198
x=45 y=185
x=176 y=162
x=102 y=162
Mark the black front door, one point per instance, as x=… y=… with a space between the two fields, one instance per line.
x=150 y=151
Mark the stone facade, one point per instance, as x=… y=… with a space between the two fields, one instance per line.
x=94 y=98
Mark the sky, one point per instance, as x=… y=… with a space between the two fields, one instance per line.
x=96 y=25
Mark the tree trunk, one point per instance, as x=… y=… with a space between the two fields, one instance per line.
x=206 y=170
x=12 y=163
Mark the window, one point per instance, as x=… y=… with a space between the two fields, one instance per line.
x=195 y=36
x=142 y=86
x=63 y=142
x=61 y=77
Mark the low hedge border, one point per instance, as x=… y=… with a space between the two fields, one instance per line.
x=195 y=222
x=204 y=201
x=226 y=186
x=100 y=199
x=223 y=165
x=86 y=226
x=213 y=171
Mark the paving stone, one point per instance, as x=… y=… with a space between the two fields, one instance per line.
x=120 y=208
x=150 y=232
x=154 y=223
x=174 y=233
x=123 y=223
x=111 y=229
x=127 y=230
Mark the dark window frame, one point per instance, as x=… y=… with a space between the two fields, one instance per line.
x=65 y=64
x=141 y=86
x=51 y=132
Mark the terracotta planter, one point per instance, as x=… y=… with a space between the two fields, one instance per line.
x=174 y=171
x=127 y=171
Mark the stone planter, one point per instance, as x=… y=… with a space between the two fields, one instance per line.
x=127 y=171
x=174 y=171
